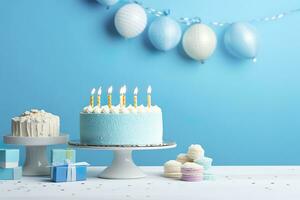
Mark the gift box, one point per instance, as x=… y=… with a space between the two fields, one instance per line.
x=10 y=173
x=60 y=156
x=69 y=172
x=9 y=158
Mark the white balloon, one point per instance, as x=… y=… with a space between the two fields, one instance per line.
x=131 y=20
x=199 y=41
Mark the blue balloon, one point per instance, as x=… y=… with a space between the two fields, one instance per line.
x=108 y=2
x=240 y=40
x=164 y=33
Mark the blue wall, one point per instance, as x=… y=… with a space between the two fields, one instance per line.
x=53 y=52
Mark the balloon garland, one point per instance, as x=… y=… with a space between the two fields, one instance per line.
x=199 y=40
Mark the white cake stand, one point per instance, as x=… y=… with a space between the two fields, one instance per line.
x=122 y=166
x=36 y=162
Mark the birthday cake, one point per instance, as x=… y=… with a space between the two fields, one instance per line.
x=35 y=123
x=121 y=124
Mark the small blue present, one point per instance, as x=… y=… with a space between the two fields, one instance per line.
x=206 y=162
x=9 y=158
x=69 y=172
x=10 y=173
x=60 y=156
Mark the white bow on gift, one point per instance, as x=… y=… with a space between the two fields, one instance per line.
x=71 y=171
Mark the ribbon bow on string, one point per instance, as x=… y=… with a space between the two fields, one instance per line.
x=193 y=20
x=158 y=13
x=189 y=21
x=153 y=11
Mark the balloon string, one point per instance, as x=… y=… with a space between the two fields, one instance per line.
x=192 y=20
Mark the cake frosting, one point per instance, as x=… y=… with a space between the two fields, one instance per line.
x=121 y=125
x=36 y=123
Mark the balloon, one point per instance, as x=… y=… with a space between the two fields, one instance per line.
x=240 y=40
x=108 y=2
x=164 y=33
x=130 y=20
x=199 y=41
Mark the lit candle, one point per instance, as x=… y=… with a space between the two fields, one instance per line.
x=124 y=95
x=109 y=96
x=121 y=96
x=149 y=90
x=135 y=92
x=99 y=97
x=92 y=97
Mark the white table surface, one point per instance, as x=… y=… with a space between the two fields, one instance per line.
x=232 y=182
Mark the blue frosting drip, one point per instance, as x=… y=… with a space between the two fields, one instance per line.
x=121 y=129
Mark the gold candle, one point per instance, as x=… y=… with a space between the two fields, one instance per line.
x=149 y=90
x=92 y=97
x=124 y=96
x=135 y=92
x=121 y=96
x=99 y=97
x=109 y=96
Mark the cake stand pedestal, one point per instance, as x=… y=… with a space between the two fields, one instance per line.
x=36 y=162
x=122 y=166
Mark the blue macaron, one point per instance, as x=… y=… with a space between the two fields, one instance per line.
x=206 y=162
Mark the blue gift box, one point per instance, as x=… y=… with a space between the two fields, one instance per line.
x=69 y=172
x=10 y=173
x=61 y=156
x=9 y=158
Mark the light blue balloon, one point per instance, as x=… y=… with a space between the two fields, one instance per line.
x=164 y=33
x=108 y=2
x=241 y=40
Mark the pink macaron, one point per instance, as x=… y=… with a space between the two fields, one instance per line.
x=191 y=172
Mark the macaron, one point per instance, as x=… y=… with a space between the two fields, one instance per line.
x=206 y=162
x=183 y=158
x=172 y=169
x=191 y=172
x=195 y=152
